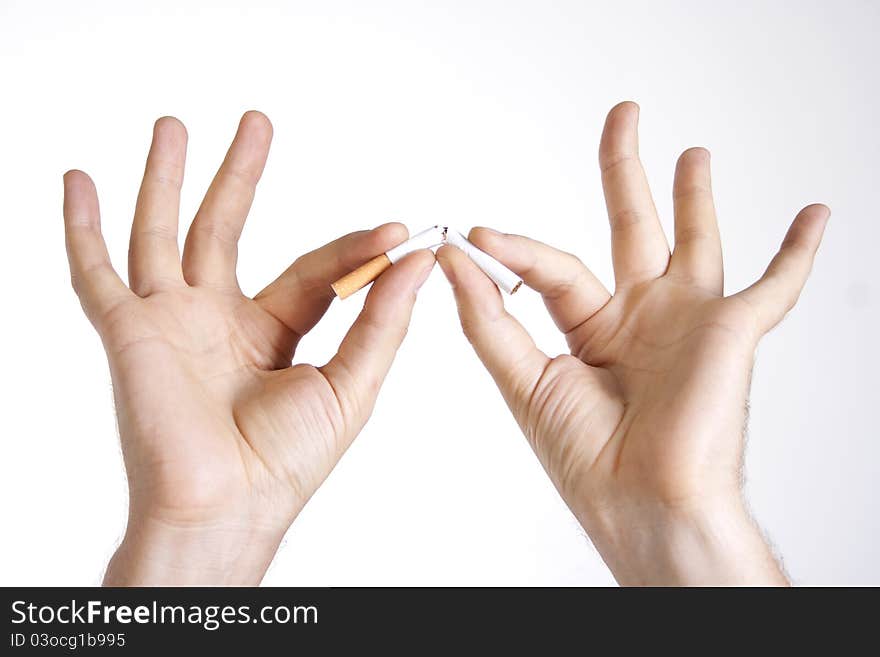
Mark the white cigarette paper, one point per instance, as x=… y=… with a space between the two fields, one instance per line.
x=503 y=277
x=427 y=239
x=371 y=270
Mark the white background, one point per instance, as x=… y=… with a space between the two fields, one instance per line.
x=470 y=113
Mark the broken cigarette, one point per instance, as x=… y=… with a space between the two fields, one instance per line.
x=370 y=271
x=503 y=277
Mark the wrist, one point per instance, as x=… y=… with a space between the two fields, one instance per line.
x=709 y=543
x=159 y=553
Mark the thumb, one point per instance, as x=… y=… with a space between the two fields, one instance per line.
x=358 y=369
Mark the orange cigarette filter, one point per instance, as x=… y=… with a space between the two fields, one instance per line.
x=370 y=271
x=360 y=277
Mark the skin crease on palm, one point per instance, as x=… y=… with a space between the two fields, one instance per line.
x=640 y=428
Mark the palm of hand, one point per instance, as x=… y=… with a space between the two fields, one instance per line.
x=218 y=429
x=656 y=396
x=651 y=402
x=211 y=412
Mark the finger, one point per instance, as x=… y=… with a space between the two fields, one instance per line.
x=697 y=255
x=153 y=255
x=211 y=248
x=365 y=355
x=570 y=291
x=94 y=280
x=502 y=344
x=777 y=291
x=302 y=294
x=638 y=245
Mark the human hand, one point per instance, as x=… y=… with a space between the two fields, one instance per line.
x=224 y=441
x=641 y=427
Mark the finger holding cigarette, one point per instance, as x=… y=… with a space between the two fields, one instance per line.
x=503 y=277
x=300 y=296
x=370 y=271
x=434 y=236
x=571 y=292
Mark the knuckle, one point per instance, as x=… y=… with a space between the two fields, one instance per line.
x=614 y=160
x=625 y=219
x=76 y=284
x=469 y=328
x=690 y=234
x=692 y=193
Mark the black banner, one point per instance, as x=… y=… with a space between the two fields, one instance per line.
x=328 y=621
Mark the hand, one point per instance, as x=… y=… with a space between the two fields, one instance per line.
x=224 y=441
x=641 y=427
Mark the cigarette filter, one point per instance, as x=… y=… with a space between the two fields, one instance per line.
x=370 y=271
x=363 y=275
x=503 y=277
